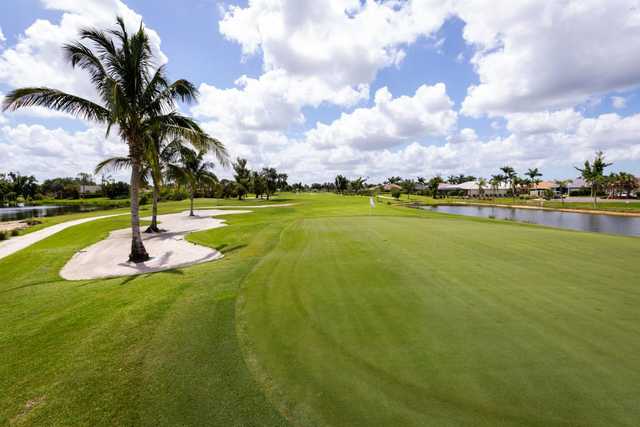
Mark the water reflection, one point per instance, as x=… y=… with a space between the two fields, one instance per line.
x=626 y=225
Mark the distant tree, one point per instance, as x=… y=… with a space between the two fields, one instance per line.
x=533 y=175
x=482 y=184
x=193 y=171
x=341 y=184
x=393 y=180
x=433 y=185
x=593 y=173
x=395 y=193
x=358 y=185
x=281 y=182
x=459 y=179
x=242 y=176
x=270 y=176
x=258 y=185
x=511 y=178
x=495 y=182
x=86 y=179
x=409 y=187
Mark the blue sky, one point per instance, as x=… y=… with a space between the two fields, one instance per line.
x=354 y=87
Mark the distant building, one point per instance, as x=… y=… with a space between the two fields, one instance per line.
x=540 y=188
x=390 y=187
x=90 y=189
x=471 y=189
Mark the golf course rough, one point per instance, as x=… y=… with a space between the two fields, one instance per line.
x=323 y=313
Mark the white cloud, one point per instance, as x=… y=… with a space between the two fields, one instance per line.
x=2 y=37
x=390 y=121
x=542 y=55
x=272 y=102
x=543 y=122
x=618 y=102
x=37 y=58
x=343 y=42
x=43 y=152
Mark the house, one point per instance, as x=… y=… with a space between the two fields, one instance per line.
x=471 y=189
x=391 y=187
x=90 y=189
x=540 y=188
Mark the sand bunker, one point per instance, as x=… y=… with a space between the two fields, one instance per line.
x=168 y=249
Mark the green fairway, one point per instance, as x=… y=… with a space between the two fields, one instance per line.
x=330 y=313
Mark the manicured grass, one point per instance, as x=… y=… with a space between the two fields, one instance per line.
x=331 y=313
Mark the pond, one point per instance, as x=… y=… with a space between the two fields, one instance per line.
x=18 y=213
x=599 y=223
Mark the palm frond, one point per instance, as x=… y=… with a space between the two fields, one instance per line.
x=113 y=164
x=55 y=100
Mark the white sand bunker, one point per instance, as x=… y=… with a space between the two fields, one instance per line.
x=168 y=249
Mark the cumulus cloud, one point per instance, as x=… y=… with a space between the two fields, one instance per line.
x=271 y=102
x=343 y=42
x=390 y=122
x=44 y=152
x=37 y=57
x=547 y=55
x=2 y=37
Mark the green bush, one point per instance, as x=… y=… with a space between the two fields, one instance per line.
x=15 y=232
x=395 y=193
x=3 y=235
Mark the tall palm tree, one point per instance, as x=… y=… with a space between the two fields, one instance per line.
x=512 y=178
x=593 y=173
x=495 y=182
x=193 y=171
x=134 y=96
x=482 y=183
x=534 y=175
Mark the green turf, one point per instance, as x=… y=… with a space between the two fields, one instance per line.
x=330 y=313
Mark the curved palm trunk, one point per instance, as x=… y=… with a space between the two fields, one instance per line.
x=191 y=199
x=138 y=252
x=153 y=228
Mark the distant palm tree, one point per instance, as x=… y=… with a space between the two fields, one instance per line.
x=341 y=183
x=482 y=183
x=132 y=95
x=495 y=182
x=512 y=178
x=533 y=175
x=193 y=171
x=593 y=173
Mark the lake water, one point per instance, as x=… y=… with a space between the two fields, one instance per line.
x=613 y=224
x=13 y=214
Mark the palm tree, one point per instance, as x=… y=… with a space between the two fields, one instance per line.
x=242 y=176
x=482 y=183
x=533 y=175
x=593 y=173
x=193 y=171
x=133 y=95
x=510 y=177
x=495 y=182
x=341 y=184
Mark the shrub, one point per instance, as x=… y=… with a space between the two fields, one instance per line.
x=15 y=232
x=145 y=199
x=395 y=193
x=3 y=235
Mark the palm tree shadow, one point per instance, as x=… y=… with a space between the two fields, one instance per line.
x=28 y=285
x=226 y=249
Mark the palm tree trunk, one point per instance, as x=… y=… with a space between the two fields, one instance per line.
x=594 y=194
x=153 y=228
x=138 y=252
x=191 y=199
